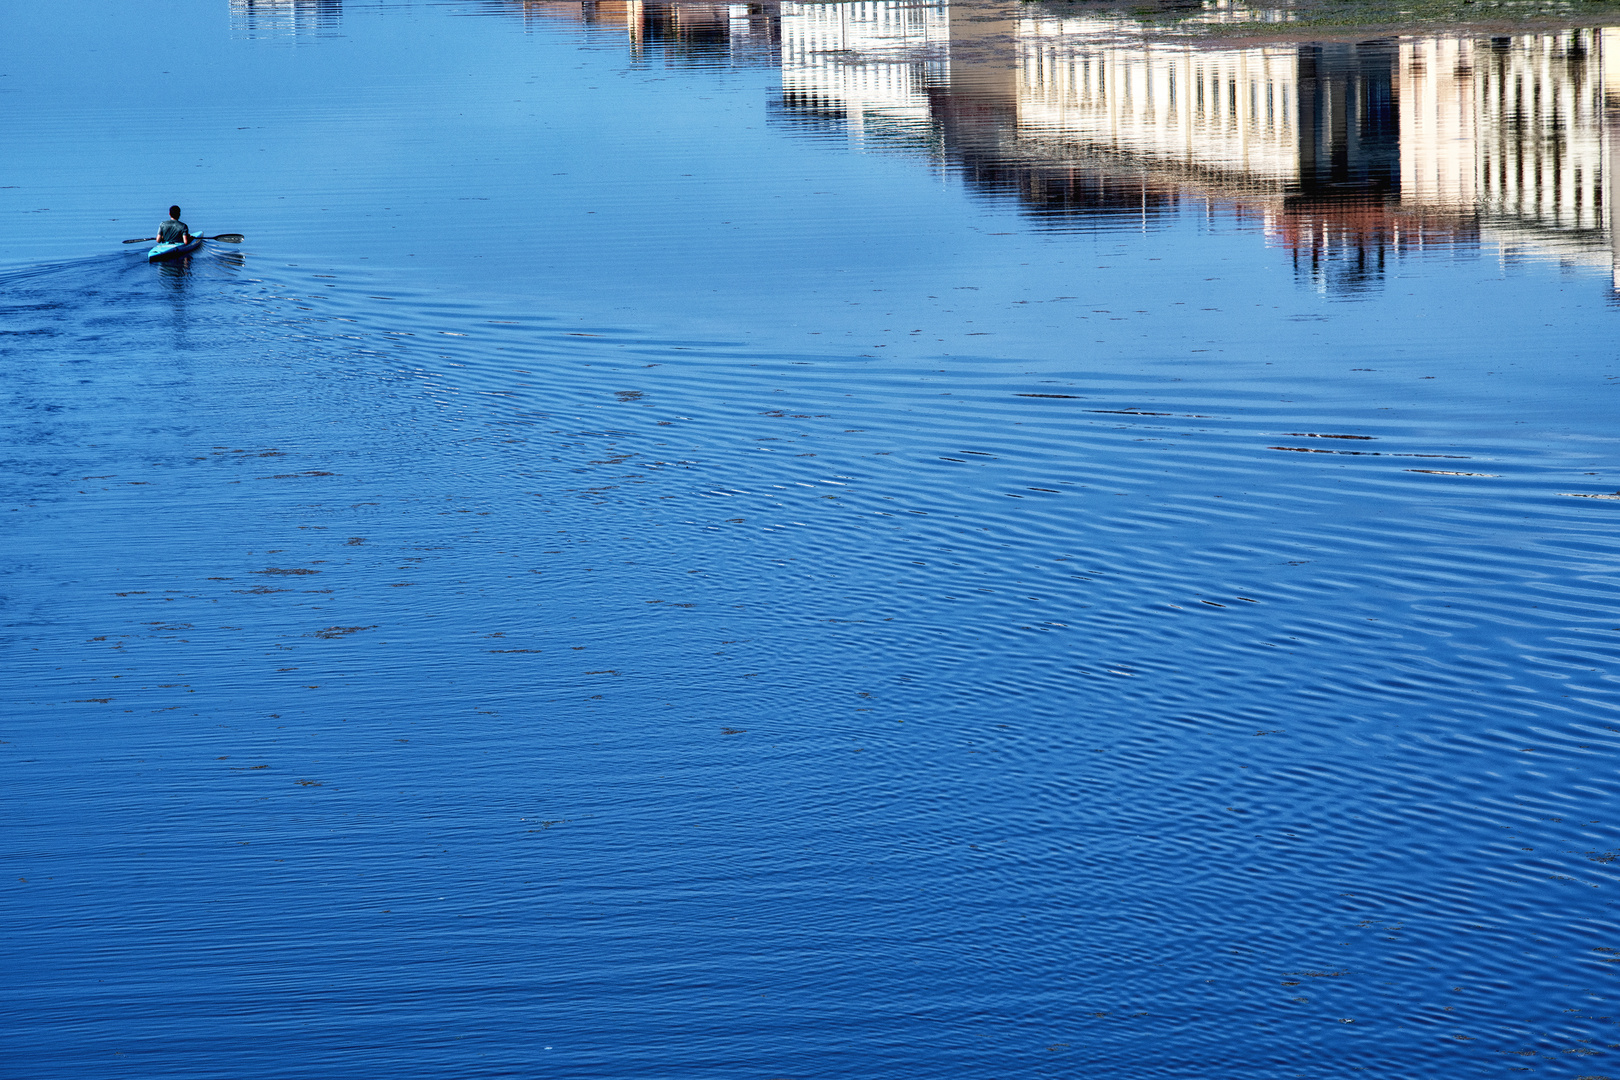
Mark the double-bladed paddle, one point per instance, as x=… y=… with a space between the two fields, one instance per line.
x=224 y=238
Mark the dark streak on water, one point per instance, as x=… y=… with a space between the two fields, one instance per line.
x=522 y=668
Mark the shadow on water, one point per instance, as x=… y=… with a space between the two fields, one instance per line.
x=211 y=259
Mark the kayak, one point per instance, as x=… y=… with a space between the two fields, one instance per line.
x=164 y=252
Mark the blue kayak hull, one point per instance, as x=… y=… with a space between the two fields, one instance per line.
x=165 y=252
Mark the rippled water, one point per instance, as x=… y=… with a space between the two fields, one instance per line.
x=641 y=566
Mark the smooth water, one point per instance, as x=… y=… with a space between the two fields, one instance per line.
x=642 y=565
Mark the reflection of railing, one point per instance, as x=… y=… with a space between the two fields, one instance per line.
x=284 y=18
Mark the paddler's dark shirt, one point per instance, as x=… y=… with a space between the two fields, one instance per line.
x=172 y=232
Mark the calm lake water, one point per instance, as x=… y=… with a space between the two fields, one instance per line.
x=641 y=565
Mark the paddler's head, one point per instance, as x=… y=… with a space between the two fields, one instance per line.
x=174 y=212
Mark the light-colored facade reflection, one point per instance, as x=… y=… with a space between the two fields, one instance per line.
x=1231 y=114
x=869 y=63
x=1273 y=118
x=1351 y=152
x=284 y=18
x=1521 y=128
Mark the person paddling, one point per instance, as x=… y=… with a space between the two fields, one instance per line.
x=174 y=231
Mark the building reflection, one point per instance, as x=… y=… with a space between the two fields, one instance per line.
x=706 y=33
x=697 y=34
x=1348 y=154
x=865 y=67
x=284 y=18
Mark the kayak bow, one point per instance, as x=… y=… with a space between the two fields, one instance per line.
x=165 y=252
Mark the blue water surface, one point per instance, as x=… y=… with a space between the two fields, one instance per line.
x=637 y=570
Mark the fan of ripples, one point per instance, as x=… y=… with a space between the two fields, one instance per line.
x=627 y=706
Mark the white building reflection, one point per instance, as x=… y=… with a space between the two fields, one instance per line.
x=284 y=18
x=1520 y=128
x=1232 y=114
x=1349 y=152
x=869 y=64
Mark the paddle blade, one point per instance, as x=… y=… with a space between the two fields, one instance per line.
x=141 y=240
x=227 y=238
